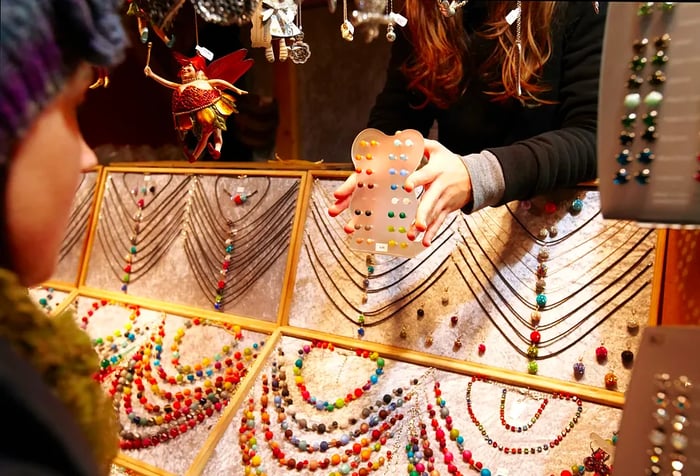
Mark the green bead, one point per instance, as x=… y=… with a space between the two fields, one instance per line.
x=659 y=58
x=391 y=214
x=632 y=100
x=532 y=367
x=370 y=269
x=380 y=362
x=402 y=215
x=645 y=8
x=125 y=278
x=650 y=118
x=667 y=6
x=638 y=63
x=653 y=99
x=298 y=363
x=43 y=301
x=361 y=319
x=133 y=250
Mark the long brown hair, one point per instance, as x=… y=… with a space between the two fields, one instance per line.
x=440 y=49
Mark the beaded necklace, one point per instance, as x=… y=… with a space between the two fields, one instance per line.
x=115 y=345
x=150 y=231
x=357 y=459
x=528 y=340
x=45 y=301
x=522 y=450
x=242 y=242
x=186 y=407
x=340 y=402
x=372 y=426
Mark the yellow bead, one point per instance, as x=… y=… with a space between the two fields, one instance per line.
x=256 y=460
x=373 y=356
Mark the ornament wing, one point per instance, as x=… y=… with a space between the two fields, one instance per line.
x=230 y=67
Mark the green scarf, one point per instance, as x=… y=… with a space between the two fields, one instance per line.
x=63 y=355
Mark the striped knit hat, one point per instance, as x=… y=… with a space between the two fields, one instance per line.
x=42 y=43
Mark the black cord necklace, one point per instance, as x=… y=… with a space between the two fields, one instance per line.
x=564 y=334
x=149 y=236
x=364 y=285
x=555 y=241
x=537 y=307
x=242 y=243
x=78 y=220
x=395 y=306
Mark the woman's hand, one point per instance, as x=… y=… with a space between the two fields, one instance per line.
x=446 y=187
x=343 y=195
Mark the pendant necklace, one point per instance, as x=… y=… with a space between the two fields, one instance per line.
x=79 y=216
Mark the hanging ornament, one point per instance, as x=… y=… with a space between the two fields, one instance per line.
x=199 y=105
x=225 y=12
x=299 y=52
x=274 y=19
x=155 y=16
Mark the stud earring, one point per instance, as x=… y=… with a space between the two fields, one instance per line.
x=601 y=353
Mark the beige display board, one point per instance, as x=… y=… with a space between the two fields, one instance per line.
x=602 y=274
x=649 y=114
x=216 y=240
x=472 y=294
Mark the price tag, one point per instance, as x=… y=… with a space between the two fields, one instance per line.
x=204 y=52
x=240 y=189
x=513 y=15
x=381 y=247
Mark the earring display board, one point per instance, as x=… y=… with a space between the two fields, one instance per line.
x=73 y=245
x=170 y=377
x=214 y=240
x=385 y=411
x=649 y=113
x=546 y=287
x=660 y=426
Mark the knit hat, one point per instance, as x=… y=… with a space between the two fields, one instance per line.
x=42 y=43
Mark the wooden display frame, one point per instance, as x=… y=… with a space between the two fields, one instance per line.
x=281 y=327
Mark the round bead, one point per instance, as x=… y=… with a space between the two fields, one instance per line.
x=535 y=317
x=577 y=205
x=532 y=351
x=610 y=381
x=532 y=367
x=454 y=320
x=601 y=353
x=550 y=207
x=653 y=99
x=541 y=300
x=482 y=348
x=627 y=357
x=535 y=337
x=632 y=100
x=579 y=369
x=632 y=326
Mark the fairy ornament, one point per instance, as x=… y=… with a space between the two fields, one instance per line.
x=199 y=104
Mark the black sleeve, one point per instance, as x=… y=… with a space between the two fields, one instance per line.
x=566 y=156
x=393 y=109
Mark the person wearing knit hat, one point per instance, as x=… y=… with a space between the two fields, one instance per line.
x=48 y=49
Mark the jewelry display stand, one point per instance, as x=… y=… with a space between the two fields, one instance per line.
x=215 y=240
x=473 y=294
x=461 y=311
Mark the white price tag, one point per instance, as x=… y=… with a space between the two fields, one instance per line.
x=240 y=189
x=398 y=19
x=513 y=15
x=381 y=248
x=204 y=52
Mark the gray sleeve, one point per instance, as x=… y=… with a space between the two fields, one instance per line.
x=488 y=184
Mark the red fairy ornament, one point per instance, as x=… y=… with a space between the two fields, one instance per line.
x=199 y=104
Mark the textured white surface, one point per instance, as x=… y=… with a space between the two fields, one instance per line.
x=53 y=298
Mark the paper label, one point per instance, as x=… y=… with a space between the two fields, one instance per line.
x=240 y=189
x=381 y=248
x=398 y=19
x=204 y=52
x=513 y=15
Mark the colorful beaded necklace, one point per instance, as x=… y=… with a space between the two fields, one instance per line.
x=340 y=402
x=523 y=450
x=181 y=409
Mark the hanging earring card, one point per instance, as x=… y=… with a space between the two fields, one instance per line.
x=649 y=113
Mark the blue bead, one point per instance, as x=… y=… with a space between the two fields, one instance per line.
x=485 y=472
x=394 y=186
x=124 y=287
x=361 y=331
x=621 y=177
x=373 y=379
x=541 y=300
x=577 y=205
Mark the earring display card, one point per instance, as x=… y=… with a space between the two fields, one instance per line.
x=73 y=244
x=534 y=287
x=285 y=425
x=382 y=211
x=218 y=242
x=169 y=378
x=649 y=113
x=660 y=428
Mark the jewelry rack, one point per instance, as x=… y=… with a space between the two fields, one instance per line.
x=304 y=314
